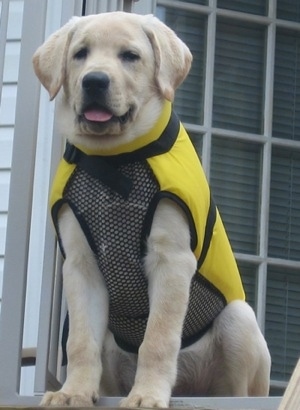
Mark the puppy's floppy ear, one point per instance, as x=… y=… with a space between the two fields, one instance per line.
x=173 y=58
x=49 y=60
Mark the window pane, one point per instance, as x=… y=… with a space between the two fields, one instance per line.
x=191 y=28
x=288 y=10
x=249 y=278
x=253 y=6
x=286 y=117
x=239 y=74
x=283 y=321
x=235 y=182
x=202 y=2
x=284 y=222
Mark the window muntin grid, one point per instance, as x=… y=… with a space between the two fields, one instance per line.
x=268 y=37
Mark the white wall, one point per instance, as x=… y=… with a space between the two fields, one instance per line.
x=7 y=115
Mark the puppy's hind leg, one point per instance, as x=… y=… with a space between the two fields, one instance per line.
x=87 y=302
x=244 y=353
x=261 y=382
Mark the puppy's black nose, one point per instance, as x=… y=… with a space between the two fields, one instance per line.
x=95 y=82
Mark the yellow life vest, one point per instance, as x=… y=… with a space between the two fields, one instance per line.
x=187 y=182
x=171 y=157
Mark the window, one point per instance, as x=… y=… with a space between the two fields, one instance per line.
x=241 y=103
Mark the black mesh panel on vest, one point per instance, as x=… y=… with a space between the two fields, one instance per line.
x=113 y=227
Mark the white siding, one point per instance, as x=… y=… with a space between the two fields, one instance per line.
x=7 y=115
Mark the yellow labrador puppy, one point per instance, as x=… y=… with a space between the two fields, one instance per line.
x=156 y=305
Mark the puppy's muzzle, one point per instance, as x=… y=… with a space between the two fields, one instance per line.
x=97 y=108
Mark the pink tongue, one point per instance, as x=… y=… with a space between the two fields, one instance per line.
x=98 y=115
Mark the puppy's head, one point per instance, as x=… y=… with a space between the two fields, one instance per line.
x=112 y=67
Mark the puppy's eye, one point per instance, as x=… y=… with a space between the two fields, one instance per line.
x=129 y=56
x=81 y=54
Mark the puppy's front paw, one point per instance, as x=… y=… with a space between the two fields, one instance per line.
x=147 y=400
x=60 y=398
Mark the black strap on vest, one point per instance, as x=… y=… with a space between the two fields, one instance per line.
x=99 y=168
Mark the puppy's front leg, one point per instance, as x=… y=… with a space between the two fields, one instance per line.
x=169 y=266
x=87 y=302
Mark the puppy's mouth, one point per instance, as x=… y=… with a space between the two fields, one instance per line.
x=97 y=115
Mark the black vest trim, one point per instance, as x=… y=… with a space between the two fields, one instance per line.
x=209 y=227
